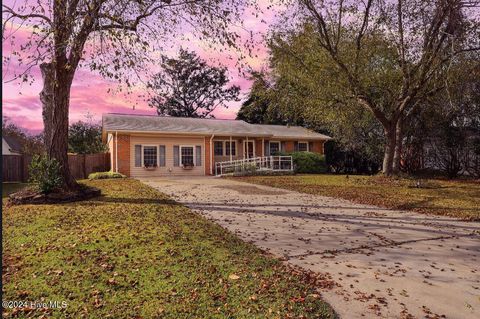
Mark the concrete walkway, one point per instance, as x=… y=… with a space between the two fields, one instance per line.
x=386 y=264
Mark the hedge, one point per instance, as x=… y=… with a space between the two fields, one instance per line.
x=308 y=162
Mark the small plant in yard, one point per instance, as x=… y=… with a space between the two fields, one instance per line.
x=105 y=175
x=45 y=173
x=251 y=168
x=246 y=169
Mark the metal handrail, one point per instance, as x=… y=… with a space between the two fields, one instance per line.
x=270 y=163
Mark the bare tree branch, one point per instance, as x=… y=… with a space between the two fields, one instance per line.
x=32 y=15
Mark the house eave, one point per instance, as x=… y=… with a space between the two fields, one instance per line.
x=306 y=138
x=186 y=133
x=261 y=135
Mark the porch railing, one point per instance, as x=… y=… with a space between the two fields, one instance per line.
x=251 y=165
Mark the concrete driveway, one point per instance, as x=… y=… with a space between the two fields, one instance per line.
x=386 y=264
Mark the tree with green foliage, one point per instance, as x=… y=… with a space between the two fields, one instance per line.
x=258 y=107
x=188 y=87
x=446 y=130
x=85 y=138
x=116 y=38
x=307 y=88
x=385 y=56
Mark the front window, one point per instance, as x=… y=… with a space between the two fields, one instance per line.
x=218 y=148
x=274 y=148
x=186 y=153
x=227 y=148
x=302 y=146
x=149 y=156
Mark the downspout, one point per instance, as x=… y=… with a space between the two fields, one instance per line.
x=211 y=154
x=116 y=151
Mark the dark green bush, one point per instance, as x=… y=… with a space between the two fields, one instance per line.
x=308 y=162
x=45 y=173
x=105 y=175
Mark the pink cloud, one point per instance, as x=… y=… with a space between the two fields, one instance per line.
x=90 y=92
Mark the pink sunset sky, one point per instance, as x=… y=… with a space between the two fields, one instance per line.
x=90 y=92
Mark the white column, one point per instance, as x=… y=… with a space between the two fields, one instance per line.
x=263 y=147
x=116 y=151
x=231 y=148
x=211 y=155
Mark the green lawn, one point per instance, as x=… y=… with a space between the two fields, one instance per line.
x=442 y=197
x=133 y=253
x=8 y=188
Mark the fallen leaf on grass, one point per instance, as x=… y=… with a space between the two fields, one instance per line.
x=299 y=299
x=233 y=277
x=112 y=281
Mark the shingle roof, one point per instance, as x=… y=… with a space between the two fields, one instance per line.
x=166 y=124
x=14 y=144
x=282 y=131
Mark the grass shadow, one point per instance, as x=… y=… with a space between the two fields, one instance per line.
x=125 y=200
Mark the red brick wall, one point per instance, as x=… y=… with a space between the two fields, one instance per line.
x=317 y=147
x=207 y=156
x=123 y=154
x=289 y=146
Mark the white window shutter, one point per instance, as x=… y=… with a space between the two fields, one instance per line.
x=138 y=155
x=176 y=155
x=161 y=151
x=198 y=155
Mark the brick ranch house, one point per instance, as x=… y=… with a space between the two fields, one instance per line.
x=146 y=146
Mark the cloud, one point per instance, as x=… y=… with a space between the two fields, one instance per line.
x=90 y=92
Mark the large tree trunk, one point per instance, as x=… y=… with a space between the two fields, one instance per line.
x=55 y=98
x=398 y=146
x=390 y=136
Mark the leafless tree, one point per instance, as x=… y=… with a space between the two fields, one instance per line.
x=112 y=37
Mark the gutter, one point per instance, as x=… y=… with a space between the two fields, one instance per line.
x=194 y=133
x=307 y=138
x=253 y=135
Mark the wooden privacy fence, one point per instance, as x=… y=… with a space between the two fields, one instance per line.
x=15 y=167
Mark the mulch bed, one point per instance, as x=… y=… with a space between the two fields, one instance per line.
x=32 y=196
